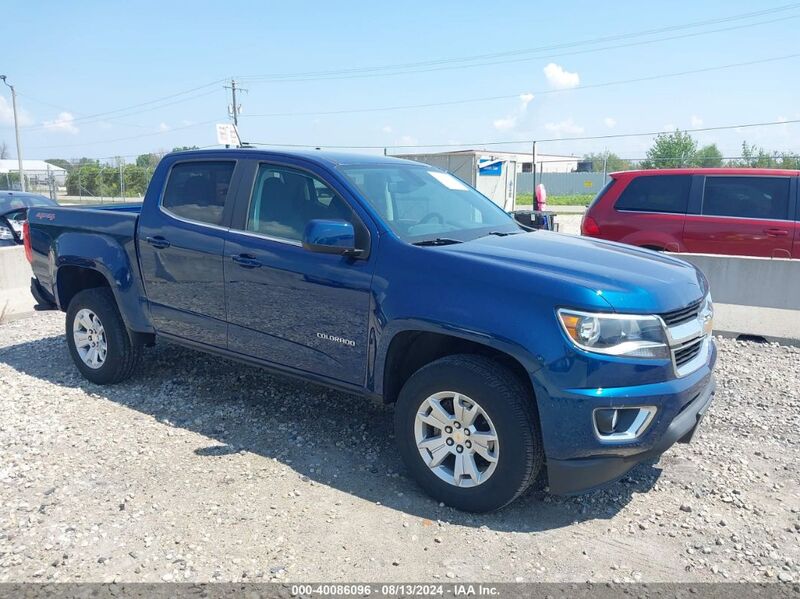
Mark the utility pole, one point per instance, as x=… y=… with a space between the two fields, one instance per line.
x=533 y=166
x=235 y=109
x=120 y=163
x=16 y=132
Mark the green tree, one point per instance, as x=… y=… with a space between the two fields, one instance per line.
x=611 y=161
x=671 y=150
x=708 y=157
x=149 y=160
x=136 y=180
x=83 y=180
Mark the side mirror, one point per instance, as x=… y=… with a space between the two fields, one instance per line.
x=330 y=237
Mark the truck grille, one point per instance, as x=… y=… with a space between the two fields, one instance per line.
x=686 y=353
x=683 y=315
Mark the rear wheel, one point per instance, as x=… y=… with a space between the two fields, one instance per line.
x=97 y=338
x=468 y=432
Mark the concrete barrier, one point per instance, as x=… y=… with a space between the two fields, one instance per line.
x=16 y=300
x=753 y=296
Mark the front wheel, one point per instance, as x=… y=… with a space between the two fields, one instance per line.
x=97 y=338
x=467 y=430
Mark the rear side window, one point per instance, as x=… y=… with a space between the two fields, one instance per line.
x=747 y=197
x=656 y=193
x=197 y=190
x=601 y=193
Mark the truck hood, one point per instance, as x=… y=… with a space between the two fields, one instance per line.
x=630 y=279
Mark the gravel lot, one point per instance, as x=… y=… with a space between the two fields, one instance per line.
x=201 y=469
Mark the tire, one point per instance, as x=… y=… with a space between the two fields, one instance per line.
x=121 y=356
x=508 y=410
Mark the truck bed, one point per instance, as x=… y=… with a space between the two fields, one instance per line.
x=82 y=236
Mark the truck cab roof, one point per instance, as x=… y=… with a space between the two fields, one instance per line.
x=322 y=157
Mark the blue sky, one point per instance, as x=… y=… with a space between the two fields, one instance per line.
x=90 y=58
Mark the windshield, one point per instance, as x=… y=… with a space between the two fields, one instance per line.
x=9 y=202
x=422 y=203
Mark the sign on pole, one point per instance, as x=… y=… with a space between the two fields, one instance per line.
x=227 y=135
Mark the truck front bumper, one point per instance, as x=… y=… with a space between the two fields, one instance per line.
x=581 y=475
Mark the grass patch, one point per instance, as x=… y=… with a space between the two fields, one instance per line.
x=582 y=199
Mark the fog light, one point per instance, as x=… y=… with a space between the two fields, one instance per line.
x=606 y=421
x=614 y=425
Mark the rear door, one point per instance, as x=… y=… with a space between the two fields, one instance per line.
x=743 y=215
x=181 y=239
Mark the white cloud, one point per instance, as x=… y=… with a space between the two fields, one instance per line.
x=187 y=122
x=610 y=122
x=525 y=99
x=386 y=128
x=559 y=78
x=505 y=124
x=696 y=121
x=408 y=140
x=7 y=114
x=567 y=126
x=63 y=122
x=163 y=127
x=510 y=121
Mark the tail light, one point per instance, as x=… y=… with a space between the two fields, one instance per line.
x=589 y=227
x=26 y=240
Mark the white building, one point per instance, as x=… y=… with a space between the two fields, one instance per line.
x=36 y=171
x=545 y=163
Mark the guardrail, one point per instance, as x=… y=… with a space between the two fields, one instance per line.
x=16 y=300
x=753 y=296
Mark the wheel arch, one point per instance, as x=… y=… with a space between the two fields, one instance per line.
x=410 y=349
x=72 y=279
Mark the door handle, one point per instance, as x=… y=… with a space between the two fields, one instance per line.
x=246 y=261
x=775 y=232
x=157 y=242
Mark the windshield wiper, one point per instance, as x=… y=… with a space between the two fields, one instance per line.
x=438 y=241
x=503 y=233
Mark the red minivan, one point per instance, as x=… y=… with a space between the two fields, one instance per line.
x=737 y=211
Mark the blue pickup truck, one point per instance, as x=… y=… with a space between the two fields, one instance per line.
x=504 y=351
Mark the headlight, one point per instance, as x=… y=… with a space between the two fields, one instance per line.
x=707 y=314
x=616 y=334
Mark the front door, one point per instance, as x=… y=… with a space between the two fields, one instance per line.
x=285 y=304
x=181 y=239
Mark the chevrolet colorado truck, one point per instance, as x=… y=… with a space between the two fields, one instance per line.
x=506 y=353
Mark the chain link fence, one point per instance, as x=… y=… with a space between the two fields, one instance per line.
x=90 y=183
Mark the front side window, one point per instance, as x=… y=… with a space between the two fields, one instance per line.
x=747 y=197
x=656 y=193
x=284 y=201
x=419 y=203
x=197 y=190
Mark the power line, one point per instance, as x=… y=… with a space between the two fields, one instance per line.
x=449 y=64
x=102 y=116
x=528 y=141
x=535 y=93
x=104 y=141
